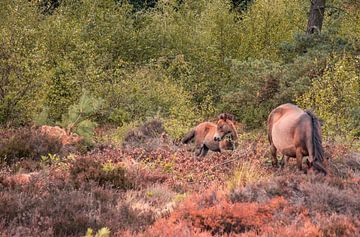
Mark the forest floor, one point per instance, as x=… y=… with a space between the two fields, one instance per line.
x=155 y=187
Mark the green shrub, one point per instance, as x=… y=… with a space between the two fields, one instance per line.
x=22 y=61
x=258 y=86
x=78 y=117
x=142 y=63
x=335 y=97
x=149 y=92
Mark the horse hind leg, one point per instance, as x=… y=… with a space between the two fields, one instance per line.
x=299 y=158
x=273 y=155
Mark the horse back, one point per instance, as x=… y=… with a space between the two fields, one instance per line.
x=286 y=124
x=205 y=129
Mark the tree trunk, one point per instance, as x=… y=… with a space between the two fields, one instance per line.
x=316 y=16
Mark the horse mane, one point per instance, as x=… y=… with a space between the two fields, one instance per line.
x=227 y=116
x=317 y=142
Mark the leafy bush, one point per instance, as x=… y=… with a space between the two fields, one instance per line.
x=21 y=60
x=335 y=97
x=258 y=86
x=143 y=64
x=78 y=116
x=150 y=93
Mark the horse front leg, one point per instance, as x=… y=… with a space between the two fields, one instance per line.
x=284 y=161
x=198 y=150
x=204 y=151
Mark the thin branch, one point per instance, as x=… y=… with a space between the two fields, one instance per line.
x=250 y=147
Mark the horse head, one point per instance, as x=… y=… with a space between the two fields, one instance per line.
x=225 y=125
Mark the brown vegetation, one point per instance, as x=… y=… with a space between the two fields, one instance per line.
x=163 y=191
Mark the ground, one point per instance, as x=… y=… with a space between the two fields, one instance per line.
x=158 y=188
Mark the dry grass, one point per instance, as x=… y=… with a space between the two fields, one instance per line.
x=247 y=173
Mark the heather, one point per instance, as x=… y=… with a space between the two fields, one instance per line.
x=165 y=191
x=96 y=95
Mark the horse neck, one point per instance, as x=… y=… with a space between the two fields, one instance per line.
x=233 y=132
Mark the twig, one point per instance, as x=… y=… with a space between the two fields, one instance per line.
x=228 y=161
x=242 y=154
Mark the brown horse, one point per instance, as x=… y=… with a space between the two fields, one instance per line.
x=296 y=133
x=211 y=136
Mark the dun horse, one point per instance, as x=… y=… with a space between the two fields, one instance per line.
x=296 y=133
x=210 y=136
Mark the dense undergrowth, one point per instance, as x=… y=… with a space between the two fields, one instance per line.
x=162 y=190
x=78 y=64
x=96 y=94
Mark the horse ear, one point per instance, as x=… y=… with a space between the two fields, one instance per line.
x=226 y=116
x=230 y=117
x=222 y=116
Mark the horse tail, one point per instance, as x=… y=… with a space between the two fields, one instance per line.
x=317 y=143
x=189 y=136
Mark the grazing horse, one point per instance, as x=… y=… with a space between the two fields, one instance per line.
x=296 y=133
x=209 y=135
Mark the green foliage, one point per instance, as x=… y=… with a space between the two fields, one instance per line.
x=42 y=118
x=151 y=93
x=257 y=86
x=268 y=23
x=78 y=116
x=335 y=97
x=138 y=57
x=21 y=61
x=50 y=159
x=103 y=232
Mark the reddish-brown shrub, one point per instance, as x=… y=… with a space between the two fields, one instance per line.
x=167 y=228
x=115 y=168
x=213 y=214
x=26 y=143
x=128 y=190
x=338 y=225
x=54 y=207
x=149 y=135
x=85 y=169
